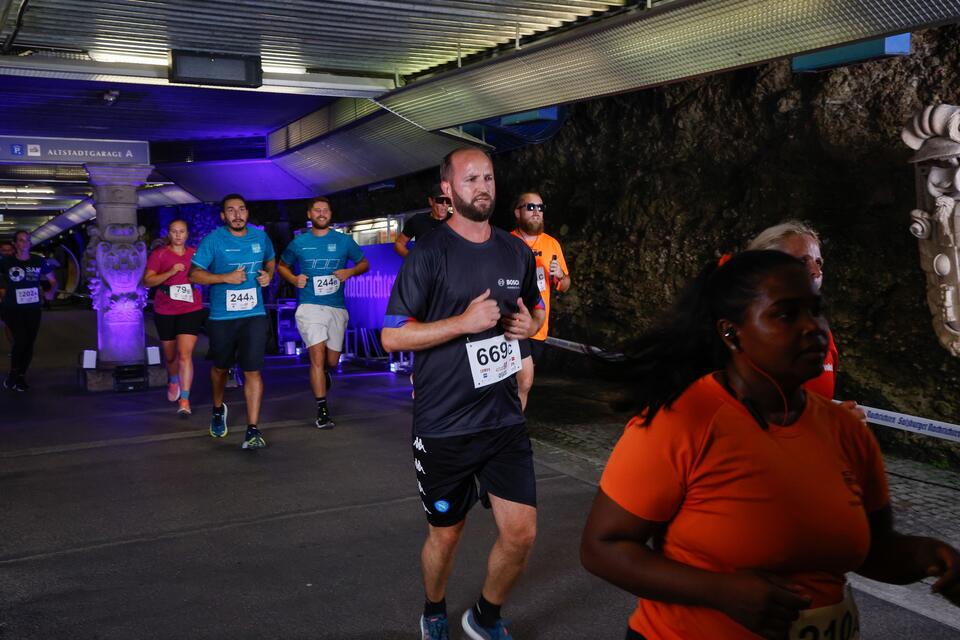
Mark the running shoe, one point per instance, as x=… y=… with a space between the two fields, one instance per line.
x=21 y=385
x=9 y=383
x=323 y=419
x=253 y=439
x=173 y=391
x=434 y=627
x=183 y=411
x=218 y=424
x=474 y=631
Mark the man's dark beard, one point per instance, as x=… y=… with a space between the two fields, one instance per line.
x=531 y=228
x=243 y=225
x=323 y=225
x=470 y=212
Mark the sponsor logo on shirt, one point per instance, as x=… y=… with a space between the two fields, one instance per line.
x=827 y=366
x=331 y=247
x=256 y=247
x=16 y=274
x=509 y=283
x=322 y=263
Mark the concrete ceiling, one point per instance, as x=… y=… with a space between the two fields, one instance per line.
x=376 y=78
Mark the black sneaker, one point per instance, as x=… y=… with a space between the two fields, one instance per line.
x=253 y=439
x=323 y=419
x=20 y=385
x=8 y=383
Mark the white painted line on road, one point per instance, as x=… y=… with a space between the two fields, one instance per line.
x=164 y=437
x=923 y=603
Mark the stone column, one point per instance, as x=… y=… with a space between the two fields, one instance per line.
x=120 y=255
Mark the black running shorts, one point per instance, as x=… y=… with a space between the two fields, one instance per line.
x=533 y=348
x=171 y=326
x=453 y=473
x=244 y=337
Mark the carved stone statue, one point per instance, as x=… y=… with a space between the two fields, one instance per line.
x=934 y=134
x=114 y=263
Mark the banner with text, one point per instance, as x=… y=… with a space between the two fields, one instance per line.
x=367 y=295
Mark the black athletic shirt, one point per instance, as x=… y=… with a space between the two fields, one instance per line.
x=437 y=281
x=420 y=224
x=23 y=281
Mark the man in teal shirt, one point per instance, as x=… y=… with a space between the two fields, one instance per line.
x=236 y=261
x=321 y=256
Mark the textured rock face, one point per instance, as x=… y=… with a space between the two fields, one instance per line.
x=643 y=188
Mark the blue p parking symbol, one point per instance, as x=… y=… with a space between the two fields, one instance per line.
x=18 y=150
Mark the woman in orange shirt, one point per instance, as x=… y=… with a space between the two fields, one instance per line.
x=758 y=496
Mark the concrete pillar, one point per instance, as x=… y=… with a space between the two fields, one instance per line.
x=121 y=255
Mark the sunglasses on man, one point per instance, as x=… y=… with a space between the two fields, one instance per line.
x=442 y=200
x=530 y=206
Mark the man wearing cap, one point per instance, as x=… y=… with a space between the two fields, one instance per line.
x=421 y=223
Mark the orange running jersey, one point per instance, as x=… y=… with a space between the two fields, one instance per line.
x=826 y=383
x=789 y=500
x=544 y=248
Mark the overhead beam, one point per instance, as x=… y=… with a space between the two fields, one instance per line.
x=646 y=48
x=317 y=84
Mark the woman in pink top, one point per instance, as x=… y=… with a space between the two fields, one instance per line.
x=178 y=311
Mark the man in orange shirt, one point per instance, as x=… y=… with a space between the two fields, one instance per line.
x=552 y=273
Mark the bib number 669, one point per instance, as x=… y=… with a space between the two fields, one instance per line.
x=494 y=354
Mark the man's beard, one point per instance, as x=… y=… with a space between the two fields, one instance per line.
x=234 y=223
x=470 y=212
x=531 y=228
x=321 y=225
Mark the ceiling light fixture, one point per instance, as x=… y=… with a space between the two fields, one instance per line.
x=107 y=56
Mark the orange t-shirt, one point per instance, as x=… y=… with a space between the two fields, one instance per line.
x=825 y=384
x=544 y=248
x=789 y=500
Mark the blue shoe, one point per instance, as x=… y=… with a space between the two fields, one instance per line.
x=474 y=631
x=434 y=628
x=218 y=425
x=253 y=439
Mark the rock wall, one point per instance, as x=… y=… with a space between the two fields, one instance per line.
x=642 y=188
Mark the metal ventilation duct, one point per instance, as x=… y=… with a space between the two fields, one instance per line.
x=78 y=214
x=673 y=41
x=375 y=148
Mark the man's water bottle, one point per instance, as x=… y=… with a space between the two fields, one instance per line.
x=554 y=281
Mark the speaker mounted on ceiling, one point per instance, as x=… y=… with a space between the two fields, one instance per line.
x=222 y=69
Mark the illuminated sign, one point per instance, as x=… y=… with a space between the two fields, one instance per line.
x=33 y=150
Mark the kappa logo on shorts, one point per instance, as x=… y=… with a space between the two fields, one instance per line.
x=418 y=466
x=442 y=506
x=418 y=445
x=420 y=487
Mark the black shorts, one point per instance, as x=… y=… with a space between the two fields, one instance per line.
x=245 y=338
x=533 y=348
x=453 y=473
x=171 y=326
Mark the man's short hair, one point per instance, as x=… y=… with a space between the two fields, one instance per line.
x=231 y=196
x=18 y=232
x=528 y=192
x=446 y=165
x=314 y=201
x=773 y=237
